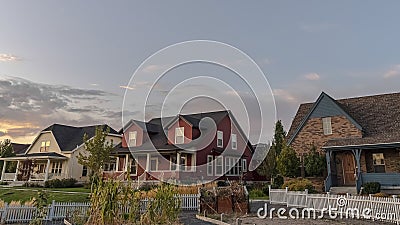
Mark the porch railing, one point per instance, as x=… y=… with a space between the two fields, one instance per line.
x=8 y=177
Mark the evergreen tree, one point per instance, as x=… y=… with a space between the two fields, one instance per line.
x=314 y=163
x=287 y=162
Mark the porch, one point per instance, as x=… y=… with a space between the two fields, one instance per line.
x=353 y=166
x=34 y=167
x=151 y=166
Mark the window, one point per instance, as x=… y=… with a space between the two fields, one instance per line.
x=220 y=139
x=172 y=162
x=233 y=166
x=327 y=125
x=218 y=166
x=378 y=162
x=45 y=146
x=41 y=168
x=179 y=135
x=132 y=138
x=110 y=166
x=153 y=164
x=56 y=168
x=209 y=165
x=84 y=171
x=244 y=165
x=234 y=141
x=182 y=163
x=133 y=167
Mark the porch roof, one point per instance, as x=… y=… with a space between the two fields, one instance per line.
x=362 y=143
x=39 y=155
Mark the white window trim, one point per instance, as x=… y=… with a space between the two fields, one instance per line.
x=154 y=158
x=183 y=133
x=210 y=164
x=131 y=133
x=327 y=125
x=220 y=136
x=234 y=137
x=222 y=165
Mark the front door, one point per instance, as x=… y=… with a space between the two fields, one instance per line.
x=348 y=169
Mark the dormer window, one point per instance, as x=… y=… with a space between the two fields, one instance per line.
x=45 y=146
x=132 y=138
x=179 y=135
x=234 y=141
x=220 y=139
x=327 y=125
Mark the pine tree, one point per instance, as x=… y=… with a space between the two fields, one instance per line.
x=287 y=162
x=314 y=162
x=6 y=150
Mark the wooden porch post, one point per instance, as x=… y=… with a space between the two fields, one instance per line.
x=46 y=176
x=16 y=171
x=117 y=166
x=4 y=170
x=148 y=162
x=328 y=181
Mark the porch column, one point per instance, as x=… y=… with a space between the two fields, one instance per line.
x=328 y=162
x=178 y=161
x=126 y=162
x=16 y=171
x=4 y=170
x=357 y=155
x=117 y=166
x=148 y=162
x=46 y=176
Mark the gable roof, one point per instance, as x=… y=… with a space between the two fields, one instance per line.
x=378 y=115
x=333 y=109
x=69 y=137
x=159 y=139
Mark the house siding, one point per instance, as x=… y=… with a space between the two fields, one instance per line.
x=187 y=131
x=139 y=135
x=46 y=136
x=312 y=133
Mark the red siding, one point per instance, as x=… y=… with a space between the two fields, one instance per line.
x=139 y=136
x=187 y=130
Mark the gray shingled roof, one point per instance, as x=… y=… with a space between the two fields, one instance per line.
x=378 y=115
x=19 y=148
x=69 y=137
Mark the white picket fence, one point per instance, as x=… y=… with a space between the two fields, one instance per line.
x=60 y=210
x=389 y=208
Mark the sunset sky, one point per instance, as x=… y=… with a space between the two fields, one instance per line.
x=70 y=62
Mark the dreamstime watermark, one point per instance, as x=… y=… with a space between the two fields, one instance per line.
x=161 y=90
x=341 y=211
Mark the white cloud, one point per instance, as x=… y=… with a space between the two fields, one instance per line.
x=312 y=76
x=284 y=95
x=127 y=87
x=8 y=58
x=393 y=72
x=155 y=68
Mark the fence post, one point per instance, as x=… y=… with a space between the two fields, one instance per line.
x=371 y=206
x=286 y=196
x=51 y=213
x=4 y=215
x=328 y=195
x=306 y=191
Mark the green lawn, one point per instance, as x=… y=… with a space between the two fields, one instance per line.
x=17 y=194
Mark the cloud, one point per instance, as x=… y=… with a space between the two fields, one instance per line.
x=155 y=68
x=284 y=95
x=312 y=76
x=2 y=133
x=393 y=72
x=8 y=58
x=27 y=107
x=127 y=87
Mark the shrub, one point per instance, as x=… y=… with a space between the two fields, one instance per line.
x=287 y=162
x=278 y=181
x=381 y=195
x=314 y=163
x=63 y=183
x=299 y=184
x=255 y=193
x=371 y=188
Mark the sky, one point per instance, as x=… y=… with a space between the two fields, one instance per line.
x=71 y=62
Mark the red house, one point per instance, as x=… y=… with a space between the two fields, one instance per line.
x=191 y=148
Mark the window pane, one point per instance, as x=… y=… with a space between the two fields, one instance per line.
x=220 y=136
x=210 y=165
x=179 y=135
x=234 y=141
